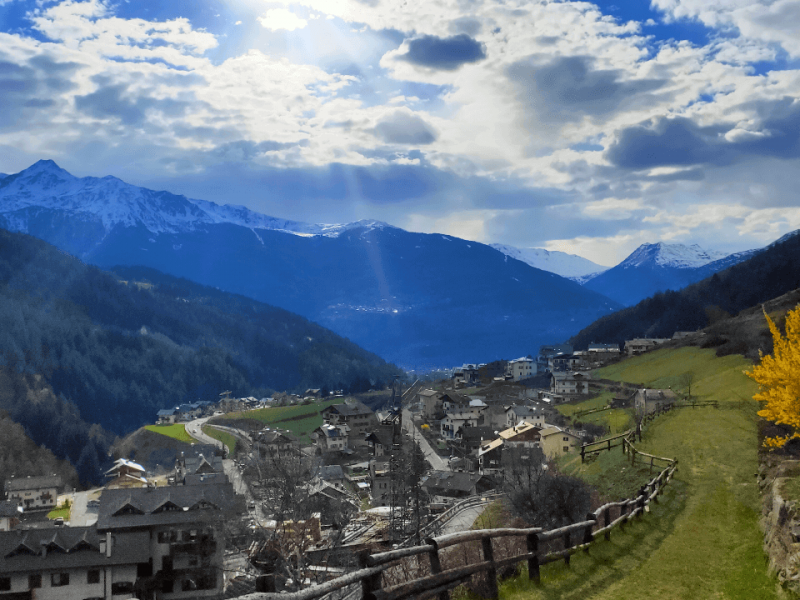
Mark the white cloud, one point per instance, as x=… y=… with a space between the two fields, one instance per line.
x=280 y=18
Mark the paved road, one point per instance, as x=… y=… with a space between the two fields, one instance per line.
x=463 y=520
x=437 y=462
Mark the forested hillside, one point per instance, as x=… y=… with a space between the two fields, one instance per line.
x=120 y=351
x=767 y=275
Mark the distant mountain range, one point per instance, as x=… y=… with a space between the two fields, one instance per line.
x=764 y=275
x=421 y=300
x=660 y=267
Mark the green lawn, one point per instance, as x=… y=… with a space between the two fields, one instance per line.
x=222 y=436
x=600 y=401
x=63 y=511
x=300 y=419
x=702 y=540
x=616 y=420
x=176 y=431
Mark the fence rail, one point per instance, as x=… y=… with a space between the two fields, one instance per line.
x=539 y=549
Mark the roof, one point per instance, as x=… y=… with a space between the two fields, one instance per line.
x=139 y=507
x=493 y=445
x=9 y=509
x=476 y=433
x=124 y=462
x=347 y=409
x=658 y=395
x=328 y=472
x=553 y=429
x=16 y=484
x=331 y=431
x=382 y=435
x=525 y=411
x=278 y=437
x=522 y=427
x=447 y=481
x=68 y=547
x=166 y=412
x=427 y=393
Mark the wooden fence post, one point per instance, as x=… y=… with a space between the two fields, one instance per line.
x=640 y=500
x=567 y=546
x=583 y=451
x=623 y=510
x=370 y=584
x=587 y=533
x=533 y=561
x=491 y=573
x=436 y=565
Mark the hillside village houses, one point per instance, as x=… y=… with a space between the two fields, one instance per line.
x=521 y=368
x=359 y=419
x=647 y=401
x=570 y=383
x=34 y=493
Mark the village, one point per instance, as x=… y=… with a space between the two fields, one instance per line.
x=285 y=510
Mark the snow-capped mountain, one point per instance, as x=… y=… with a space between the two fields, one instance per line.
x=109 y=202
x=560 y=263
x=677 y=256
x=420 y=300
x=659 y=267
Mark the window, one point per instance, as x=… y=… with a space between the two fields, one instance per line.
x=167 y=586
x=121 y=587
x=59 y=579
x=566 y=448
x=34 y=580
x=5 y=584
x=93 y=576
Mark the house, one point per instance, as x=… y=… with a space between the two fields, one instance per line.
x=556 y=441
x=549 y=351
x=490 y=456
x=331 y=438
x=380 y=481
x=452 y=401
x=431 y=403
x=34 y=493
x=468 y=440
x=199 y=468
x=524 y=435
x=182 y=535
x=569 y=383
x=357 y=416
x=126 y=472
x=380 y=440
x=641 y=345
x=466 y=375
x=564 y=362
x=649 y=401
x=166 y=415
x=148 y=542
x=332 y=474
x=277 y=442
x=447 y=484
x=10 y=513
x=530 y=414
x=520 y=368
x=454 y=421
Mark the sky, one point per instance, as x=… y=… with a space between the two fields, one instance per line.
x=588 y=128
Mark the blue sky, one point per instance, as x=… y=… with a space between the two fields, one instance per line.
x=583 y=127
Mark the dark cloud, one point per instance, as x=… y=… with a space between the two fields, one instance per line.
x=402 y=128
x=444 y=54
x=681 y=142
x=28 y=87
x=569 y=87
x=110 y=101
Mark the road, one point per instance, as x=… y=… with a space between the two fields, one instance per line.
x=436 y=461
x=463 y=520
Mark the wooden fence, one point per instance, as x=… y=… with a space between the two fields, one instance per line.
x=404 y=572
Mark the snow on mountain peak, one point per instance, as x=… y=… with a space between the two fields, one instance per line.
x=560 y=263
x=114 y=202
x=677 y=256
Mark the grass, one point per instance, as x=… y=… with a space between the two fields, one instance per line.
x=610 y=472
x=222 y=436
x=62 y=511
x=300 y=419
x=702 y=540
x=615 y=420
x=176 y=431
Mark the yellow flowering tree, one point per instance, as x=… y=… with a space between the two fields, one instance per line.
x=778 y=376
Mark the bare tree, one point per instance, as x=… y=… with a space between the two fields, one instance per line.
x=540 y=495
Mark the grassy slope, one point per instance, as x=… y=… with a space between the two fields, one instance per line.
x=223 y=436
x=617 y=420
x=702 y=540
x=176 y=431
x=300 y=419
